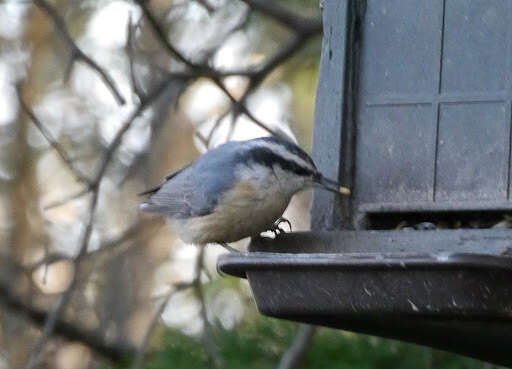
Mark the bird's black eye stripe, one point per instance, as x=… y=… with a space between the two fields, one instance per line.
x=269 y=159
x=289 y=146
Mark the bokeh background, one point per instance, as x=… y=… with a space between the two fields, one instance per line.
x=101 y=99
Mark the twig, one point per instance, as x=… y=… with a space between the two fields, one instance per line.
x=304 y=28
x=257 y=76
x=76 y=52
x=292 y=358
x=115 y=351
x=111 y=149
x=199 y=70
x=161 y=35
x=59 y=308
x=207 y=338
x=141 y=351
x=216 y=125
x=53 y=143
x=240 y=107
x=205 y=4
x=201 y=138
x=208 y=341
x=214 y=46
x=64 y=299
x=129 y=47
x=285 y=17
x=291 y=47
x=67 y=199
x=108 y=249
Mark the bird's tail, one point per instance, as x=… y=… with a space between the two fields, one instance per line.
x=151 y=191
x=149 y=207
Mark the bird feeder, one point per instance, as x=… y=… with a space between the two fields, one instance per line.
x=413 y=113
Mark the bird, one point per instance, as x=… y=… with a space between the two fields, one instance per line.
x=238 y=189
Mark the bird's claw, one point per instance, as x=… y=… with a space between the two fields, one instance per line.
x=276 y=229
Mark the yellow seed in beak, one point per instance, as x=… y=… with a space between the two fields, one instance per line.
x=344 y=190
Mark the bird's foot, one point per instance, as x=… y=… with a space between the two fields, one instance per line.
x=276 y=227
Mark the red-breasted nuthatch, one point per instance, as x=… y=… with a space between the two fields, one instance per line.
x=236 y=190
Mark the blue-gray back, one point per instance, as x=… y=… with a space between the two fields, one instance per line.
x=196 y=189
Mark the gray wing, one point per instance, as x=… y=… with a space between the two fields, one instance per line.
x=196 y=189
x=155 y=189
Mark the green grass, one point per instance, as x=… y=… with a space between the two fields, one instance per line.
x=259 y=344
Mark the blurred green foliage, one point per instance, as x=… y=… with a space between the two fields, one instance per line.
x=260 y=342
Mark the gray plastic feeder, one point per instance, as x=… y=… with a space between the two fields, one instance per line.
x=413 y=113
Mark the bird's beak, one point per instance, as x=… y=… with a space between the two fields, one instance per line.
x=328 y=184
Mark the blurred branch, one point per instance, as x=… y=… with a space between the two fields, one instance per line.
x=115 y=351
x=240 y=107
x=80 y=177
x=141 y=351
x=293 y=21
x=241 y=24
x=59 y=307
x=162 y=36
x=53 y=317
x=205 y=4
x=67 y=199
x=144 y=104
x=198 y=70
x=293 y=357
x=207 y=338
x=108 y=250
x=111 y=149
x=76 y=52
x=130 y=52
x=302 y=27
x=293 y=45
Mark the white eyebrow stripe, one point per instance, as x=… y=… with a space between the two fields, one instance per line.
x=285 y=154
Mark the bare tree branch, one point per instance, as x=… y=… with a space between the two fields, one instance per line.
x=199 y=70
x=141 y=351
x=77 y=173
x=59 y=307
x=130 y=52
x=295 y=43
x=215 y=45
x=116 y=142
x=240 y=107
x=208 y=341
x=67 y=199
x=76 y=52
x=108 y=250
x=304 y=29
x=115 y=351
x=207 y=337
x=293 y=357
x=64 y=299
x=293 y=21
x=162 y=36
x=209 y=8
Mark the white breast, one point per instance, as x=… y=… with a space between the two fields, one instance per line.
x=246 y=210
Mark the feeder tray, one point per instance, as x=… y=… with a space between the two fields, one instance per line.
x=461 y=302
